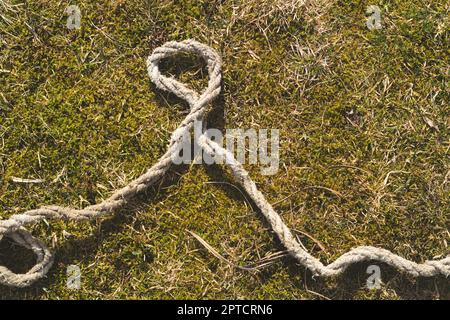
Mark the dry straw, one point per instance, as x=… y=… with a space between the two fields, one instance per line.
x=14 y=227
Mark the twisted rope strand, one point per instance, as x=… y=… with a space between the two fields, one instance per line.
x=14 y=227
x=359 y=254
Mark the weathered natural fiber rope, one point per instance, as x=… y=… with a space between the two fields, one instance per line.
x=14 y=227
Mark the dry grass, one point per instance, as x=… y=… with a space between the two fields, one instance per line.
x=363 y=118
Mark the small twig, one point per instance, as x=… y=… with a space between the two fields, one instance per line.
x=318 y=294
x=59 y=175
x=391 y=172
x=319 y=244
x=217 y=254
x=20 y=180
x=327 y=189
x=351 y=167
x=231 y=185
x=285 y=198
x=262 y=263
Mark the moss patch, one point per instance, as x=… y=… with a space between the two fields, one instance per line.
x=363 y=118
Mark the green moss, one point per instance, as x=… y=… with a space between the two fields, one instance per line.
x=78 y=106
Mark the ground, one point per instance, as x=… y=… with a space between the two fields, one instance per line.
x=364 y=144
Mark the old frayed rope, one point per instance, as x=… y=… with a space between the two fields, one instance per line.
x=14 y=227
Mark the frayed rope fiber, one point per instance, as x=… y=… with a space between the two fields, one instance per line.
x=14 y=227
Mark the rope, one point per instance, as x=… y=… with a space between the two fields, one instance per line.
x=14 y=227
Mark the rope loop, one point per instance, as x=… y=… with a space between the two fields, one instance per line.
x=44 y=260
x=172 y=48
